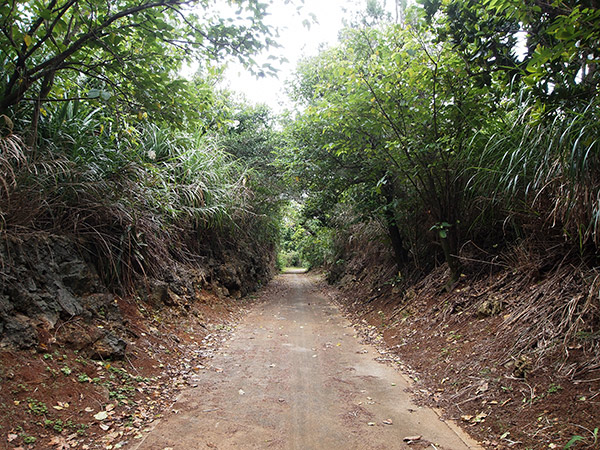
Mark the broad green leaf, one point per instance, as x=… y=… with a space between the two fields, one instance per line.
x=45 y=14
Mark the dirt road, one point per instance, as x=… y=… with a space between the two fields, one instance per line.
x=294 y=376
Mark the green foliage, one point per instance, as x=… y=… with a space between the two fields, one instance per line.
x=559 y=54
x=145 y=190
x=27 y=439
x=535 y=162
x=303 y=242
x=250 y=137
x=36 y=407
x=83 y=378
x=124 y=54
x=100 y=138
x=288 y=259
x=441 y=130
x=592 y=440
x=316 y=244
x=554 y=388
x=389 y=113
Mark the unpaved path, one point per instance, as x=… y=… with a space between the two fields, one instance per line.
x=294 y=376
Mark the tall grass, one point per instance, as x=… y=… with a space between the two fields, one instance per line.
x=543 y=168
x=131 y=197
x=12 y=158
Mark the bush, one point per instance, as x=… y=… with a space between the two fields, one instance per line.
x=137 y=200
x=289 y=259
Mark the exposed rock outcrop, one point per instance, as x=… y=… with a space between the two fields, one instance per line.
x=45 y=281
x=51 y=293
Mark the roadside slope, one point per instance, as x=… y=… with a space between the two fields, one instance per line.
x=491 y=353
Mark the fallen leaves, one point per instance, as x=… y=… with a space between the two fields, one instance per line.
x=102 y=415
x=474 y=419
x=139 y=393
x=59 y=442
x=482 y=388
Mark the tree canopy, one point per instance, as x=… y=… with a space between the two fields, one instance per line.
x=124 y=53
x=441 y=129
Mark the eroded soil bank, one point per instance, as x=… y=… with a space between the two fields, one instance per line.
x=464 y=351
x=62 y=399
x=84 y=366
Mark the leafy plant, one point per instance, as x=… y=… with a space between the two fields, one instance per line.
x=83 y=378
x=554 y=388
x=577 y=438
x=50 y=51
x=57 y=425
x=36 y=407
x=28 y=439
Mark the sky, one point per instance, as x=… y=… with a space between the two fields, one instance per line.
x=296 y=40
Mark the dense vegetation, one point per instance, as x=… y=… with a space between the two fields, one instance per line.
x=464 y=133
x=439 y=122
x=103 y=140
x=455 y=133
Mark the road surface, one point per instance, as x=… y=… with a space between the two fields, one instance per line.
x=294 y=376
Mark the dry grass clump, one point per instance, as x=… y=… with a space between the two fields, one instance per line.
x=12 y=157
x=554 y=308
x=547 y=298
x=131 y=203
x=544 y=297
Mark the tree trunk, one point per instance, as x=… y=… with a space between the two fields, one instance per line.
x=400 y=253
x=450 y=249
x=47 y=83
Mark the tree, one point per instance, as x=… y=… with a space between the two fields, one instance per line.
x=250 y=136
x=123 y=49
x=558 y=58
x=393 y=110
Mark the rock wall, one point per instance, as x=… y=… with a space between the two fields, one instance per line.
x=45 y=283
x=50 y=292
